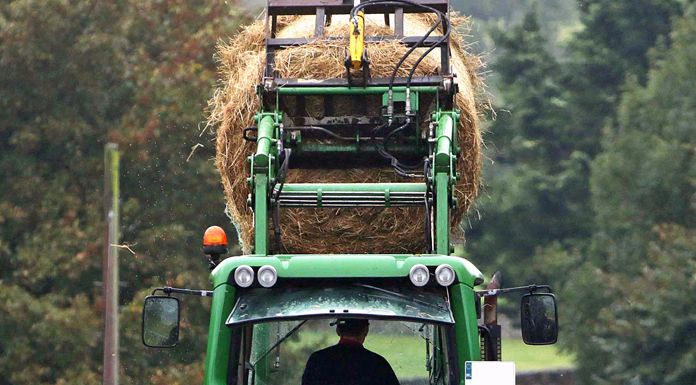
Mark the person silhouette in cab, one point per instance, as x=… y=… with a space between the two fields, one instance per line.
x=348 y=362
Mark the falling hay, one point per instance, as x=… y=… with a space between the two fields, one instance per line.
x=339 y=230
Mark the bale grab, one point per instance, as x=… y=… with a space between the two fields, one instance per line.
x=335 y=230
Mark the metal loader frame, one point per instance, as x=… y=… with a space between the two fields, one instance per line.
x=419 y=112
x=323 y=10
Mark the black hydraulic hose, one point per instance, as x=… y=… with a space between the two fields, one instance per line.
x=282 y=174
x=394 y=132
x=390 y=135
x=441 y=20
x=400 y=168
x=360 y=6
x=386 y=141
x=428 y=222
x=408 y=53
x=444 y=37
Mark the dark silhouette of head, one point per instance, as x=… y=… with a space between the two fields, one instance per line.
x=353 y=328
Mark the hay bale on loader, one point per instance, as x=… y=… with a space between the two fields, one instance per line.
x=338 y=230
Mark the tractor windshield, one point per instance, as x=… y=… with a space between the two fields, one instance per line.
x=417 y=353
x=429 y=304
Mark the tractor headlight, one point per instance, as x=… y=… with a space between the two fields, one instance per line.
x=444 y=274
x=268 y=276
x=419 y=275
x=244 y=276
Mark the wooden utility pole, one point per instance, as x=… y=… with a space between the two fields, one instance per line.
x=110 y=266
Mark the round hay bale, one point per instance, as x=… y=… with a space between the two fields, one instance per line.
x=344 y=230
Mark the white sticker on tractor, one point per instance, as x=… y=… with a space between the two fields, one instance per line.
x=489 y=372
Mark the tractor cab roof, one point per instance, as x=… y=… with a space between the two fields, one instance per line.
x=347 y=266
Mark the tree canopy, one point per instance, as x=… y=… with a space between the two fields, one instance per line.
x=76 y=74
x=592 y=184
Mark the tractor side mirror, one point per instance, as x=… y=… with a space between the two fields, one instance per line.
x=539 y=319
x=160 y=321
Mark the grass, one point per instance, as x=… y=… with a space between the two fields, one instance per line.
x=528 y=357
x=406 y=353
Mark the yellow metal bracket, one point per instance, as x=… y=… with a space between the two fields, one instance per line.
x=357 y=40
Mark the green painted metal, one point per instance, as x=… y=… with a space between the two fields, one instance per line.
x=363 y=146
x=442 y=196
x=444 y=176
x=264 y=141
x=366 y=187
x=346 y=266
x=401 y=97
x=219 y=335
x=444 y=149
x=352 y=90
x=261 y=214
x=263 y=169
x=463 y=306
x=462 y=297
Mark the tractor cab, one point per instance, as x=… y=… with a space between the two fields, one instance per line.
x=270 y=313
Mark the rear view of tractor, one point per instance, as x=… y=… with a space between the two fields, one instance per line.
x=346 y=169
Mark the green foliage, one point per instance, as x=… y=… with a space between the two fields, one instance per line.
x=549 y=125
x=514 y=10
x=556 y=19
x=528 y=125
x=613 y=45
x=536 y=183
x=648 y=323
x=54 y=113
x=592 y=183
x=617 y=35
x=643 y=185
x=76 y=74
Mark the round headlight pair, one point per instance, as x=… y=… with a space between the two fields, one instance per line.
x=420 y=275
x=244 y=276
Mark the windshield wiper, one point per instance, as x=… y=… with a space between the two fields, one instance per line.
x=280 y=341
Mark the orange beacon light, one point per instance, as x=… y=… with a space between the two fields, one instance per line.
x=214 y=244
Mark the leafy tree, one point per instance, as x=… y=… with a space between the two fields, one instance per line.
x=536 y=177
x=613 y=45
x=557 y=19
x=548 y=129
x=591 y=230
x=59 y=63
x=552 y=13
x=641 y=273
x=76 y=74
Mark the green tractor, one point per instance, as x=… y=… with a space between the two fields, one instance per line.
x=270 y=311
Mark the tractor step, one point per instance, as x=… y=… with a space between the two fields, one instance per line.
x=352 y=194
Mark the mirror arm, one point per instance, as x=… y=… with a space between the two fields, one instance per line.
x=528 y=288
x=169 y=290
